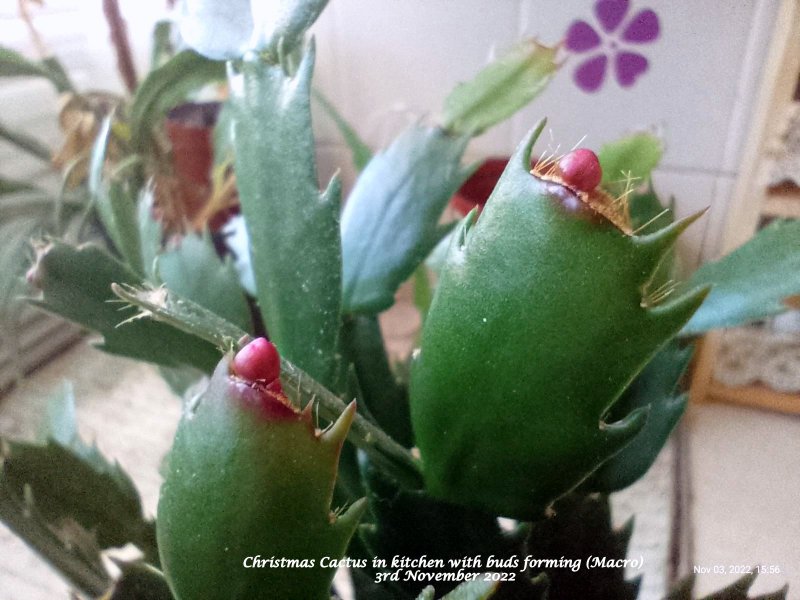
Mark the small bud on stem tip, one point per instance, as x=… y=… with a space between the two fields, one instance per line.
x=258 y=361
x=581 y=170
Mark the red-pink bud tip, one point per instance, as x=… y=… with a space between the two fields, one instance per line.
x=258 y=361
x=581 y=170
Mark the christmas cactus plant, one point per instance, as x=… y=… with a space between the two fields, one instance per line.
x=547 y=375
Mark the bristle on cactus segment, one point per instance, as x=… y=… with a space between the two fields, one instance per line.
x=655 y=296
x=580 y=171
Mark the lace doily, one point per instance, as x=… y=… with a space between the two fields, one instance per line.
x=784 y=151
x=751 y=355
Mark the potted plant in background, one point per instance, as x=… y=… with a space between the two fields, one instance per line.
x=178 y=157
x=548 y=373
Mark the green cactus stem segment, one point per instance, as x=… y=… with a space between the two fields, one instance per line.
x=293 y=227
x=184 y=315
x=522 y=285
x=250 y=475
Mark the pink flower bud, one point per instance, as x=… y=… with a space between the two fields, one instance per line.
x=581 y=170
x=258 y=361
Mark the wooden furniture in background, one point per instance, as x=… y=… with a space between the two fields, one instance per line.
x=752 y=202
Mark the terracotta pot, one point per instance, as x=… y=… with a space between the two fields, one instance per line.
x=190 y=129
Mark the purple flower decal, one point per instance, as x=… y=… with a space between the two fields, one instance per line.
x=609 y=43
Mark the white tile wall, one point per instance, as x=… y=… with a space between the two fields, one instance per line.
x=723 y=193
x=409 y=54
x=690 y=91
x=390 y=60
x=384 y=64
